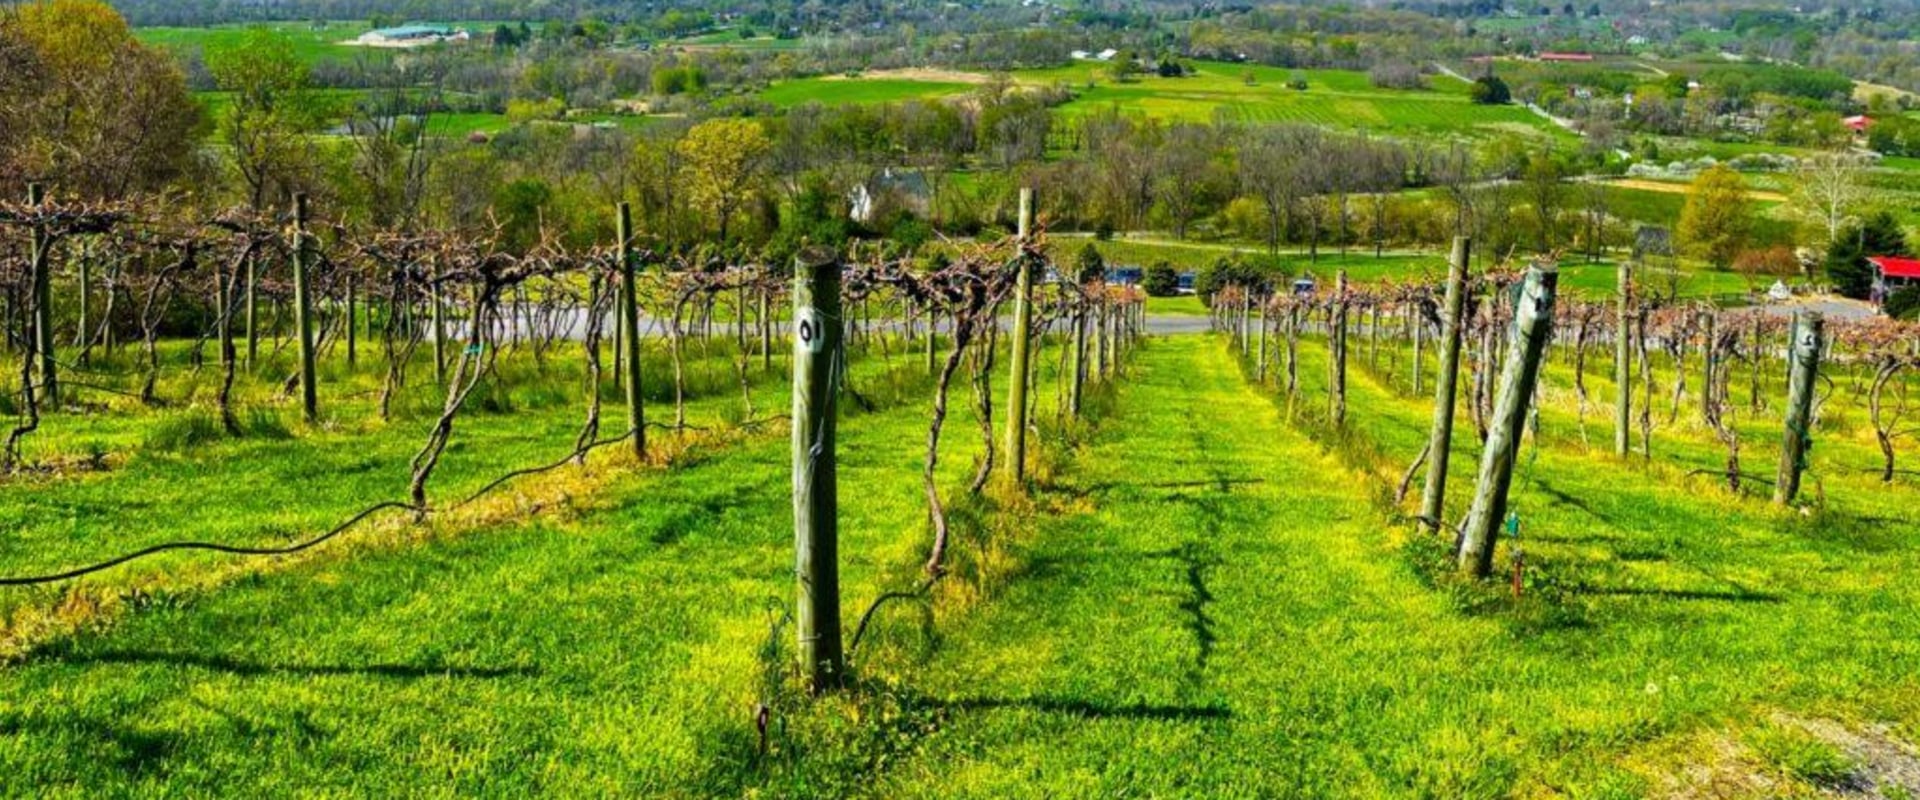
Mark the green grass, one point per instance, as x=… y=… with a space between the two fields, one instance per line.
x=834 y=91
x=1208 y=595
x=311 y=42
x=1334 y=98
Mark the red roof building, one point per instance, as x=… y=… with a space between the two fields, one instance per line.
x=1857 y=124
x=1891 y=273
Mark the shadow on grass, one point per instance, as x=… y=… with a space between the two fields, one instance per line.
x=1089 y=709
x=1734 y=596
x=248 y=668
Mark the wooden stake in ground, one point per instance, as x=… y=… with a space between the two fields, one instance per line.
x=1022 y=349
x=1803 y=368
x=1079 y=356
x=1623 y=363
x=42 y=266
x=1533 y=325
x=303 y=310
x=1433 y=501
x=816 y=501
x=1337 y=343
x=630 y=331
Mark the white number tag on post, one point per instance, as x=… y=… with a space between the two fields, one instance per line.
x=807 y=330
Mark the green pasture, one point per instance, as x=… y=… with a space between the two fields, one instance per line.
x=833 y=91
x=1333 y=98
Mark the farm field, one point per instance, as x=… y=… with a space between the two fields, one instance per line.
x=1206 y=596
x=1334 y=98
x=838 y=90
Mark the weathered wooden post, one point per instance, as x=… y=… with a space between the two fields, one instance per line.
x=81 y=338
x=1803 y=368
x=1533 y=326
x=352 y=336
x=438 y=313
x=1337 y=346
x=303 y=310
x=630 y=331
x=1433 y=500
x=42 y=268
x=1079 y=356
x=1710 y=360
x=817 y=335
x=1623 y=363
x=253 y=311
x=1419 y=334
x=1022 y=348
x=1260 y=371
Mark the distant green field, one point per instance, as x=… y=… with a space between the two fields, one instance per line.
x=1336 y=98
x=312 y=42
x=856 y=91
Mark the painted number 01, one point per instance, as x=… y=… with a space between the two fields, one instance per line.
x=808 y=332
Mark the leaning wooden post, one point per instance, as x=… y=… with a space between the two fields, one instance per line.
x=1022 y=344
x=303 y=310
x=81 y=339
x=1260 y=369
x=253 y=311
x=630 y=331
x=817 y=336
x=1433 y=502
x=1337 y=347
x=1803 y=368
x=352 y=337
x=1532 y=327
x=42 y=266
x=1623 y=363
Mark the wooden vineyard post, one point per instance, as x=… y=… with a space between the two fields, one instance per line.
x=303 y=310
x=438 y=314
x=1623 y=363
x=1022 y=349
x=1337 y=344
x=352 y=337
x=1260 y=370
x=1803 y=368
x=630 y=331
x=1079 y=359
x=1709 y=353
x=42 y=277
x=816 y=370
x=1533 y=325
x=253 y=311
x=1433 y=500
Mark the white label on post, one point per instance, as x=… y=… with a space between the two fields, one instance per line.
x=807 y=330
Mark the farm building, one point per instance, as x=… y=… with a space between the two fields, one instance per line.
x=411 y=35
x=1891 y=274
x=887 y=192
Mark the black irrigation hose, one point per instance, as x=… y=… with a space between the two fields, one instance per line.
x=918 y=593
x=218 y=548
x=34 y=580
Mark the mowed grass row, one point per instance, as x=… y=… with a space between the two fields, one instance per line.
x=616 y=642
x=137 y=476
x=1234 y=612
x=1726 y=614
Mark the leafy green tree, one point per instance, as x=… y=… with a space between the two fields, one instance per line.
x=1489 y=90
x=1089 y=265
x=1718 y=217
x=271 y=110
x=723 y=161
x=1904 y=304
x=518 y=206
x=86 y=105
x=1161 y=280
x=1847 y=266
